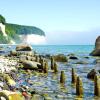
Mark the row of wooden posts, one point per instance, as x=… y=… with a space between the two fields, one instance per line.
x=76 y=80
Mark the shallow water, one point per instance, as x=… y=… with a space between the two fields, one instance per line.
x=50 y=84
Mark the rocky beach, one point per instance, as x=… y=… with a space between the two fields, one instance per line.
x=27 y=75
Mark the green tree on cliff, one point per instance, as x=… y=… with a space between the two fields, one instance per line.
x=2 y=19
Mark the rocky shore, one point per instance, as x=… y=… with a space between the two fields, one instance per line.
x=27 y=75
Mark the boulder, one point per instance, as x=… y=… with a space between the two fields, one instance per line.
x=87 y=57
x=8 y=95
x=30 y=64
x=30 y=58
x=60 y=58
x=96 y=51
x=97 y=61
x=73 y=57
x=81 y=62
x=22 y=58
x=13 y=53
x=23 y=47
x=99 y=71
x=9 y=80
x=91 y=74
x=36 y=97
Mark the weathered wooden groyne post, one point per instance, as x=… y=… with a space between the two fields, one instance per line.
x=52 y=63
x=42 y=63
x=55 y=68
x=96 y=86
x=40 y=58
x=37 y=58
x=79 y=87
x=46 y=67
x=74 y=77
x=62 y=77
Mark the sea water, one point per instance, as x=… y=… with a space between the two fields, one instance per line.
x=64 y=49
x=57 y=49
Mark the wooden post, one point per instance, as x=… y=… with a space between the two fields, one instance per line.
x=79 y=87
x=46 y=67
x=52 y=63
x=37 y=58
x=55 y=68
x=96 y=86
x=42 y=63
x=74 y=77
x=62 y=77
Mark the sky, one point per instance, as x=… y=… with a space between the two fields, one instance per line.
x=67 y=22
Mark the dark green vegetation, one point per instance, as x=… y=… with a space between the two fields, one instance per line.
x=3 y=40
x=13 y=31
x=2 y=19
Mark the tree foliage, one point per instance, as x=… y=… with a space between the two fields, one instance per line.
x=2 y=19
x=22 y=30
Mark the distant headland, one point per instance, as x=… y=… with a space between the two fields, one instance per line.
x=14 y=34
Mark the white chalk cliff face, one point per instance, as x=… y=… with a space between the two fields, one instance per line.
x=2 y=28
x=33 y=39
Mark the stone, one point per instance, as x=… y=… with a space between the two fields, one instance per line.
x=73 y=57
x=16 y=95
x=60 y=58
x=36 y=97
x=91 y=74
x=97 y=61
x=96 y=51
x=22 y=58
x=13 y=53
x=9 y=80
x=48 y=98
x=30 y=65
x=60 y=97
x=87 y=57
x=30 y=58
x=23 y=47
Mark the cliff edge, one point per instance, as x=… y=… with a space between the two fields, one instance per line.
x=15 y=34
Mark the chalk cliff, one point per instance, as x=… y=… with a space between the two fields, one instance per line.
x=14 y=34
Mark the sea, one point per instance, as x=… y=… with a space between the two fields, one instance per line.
x=63 y=49
x=57 y=49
